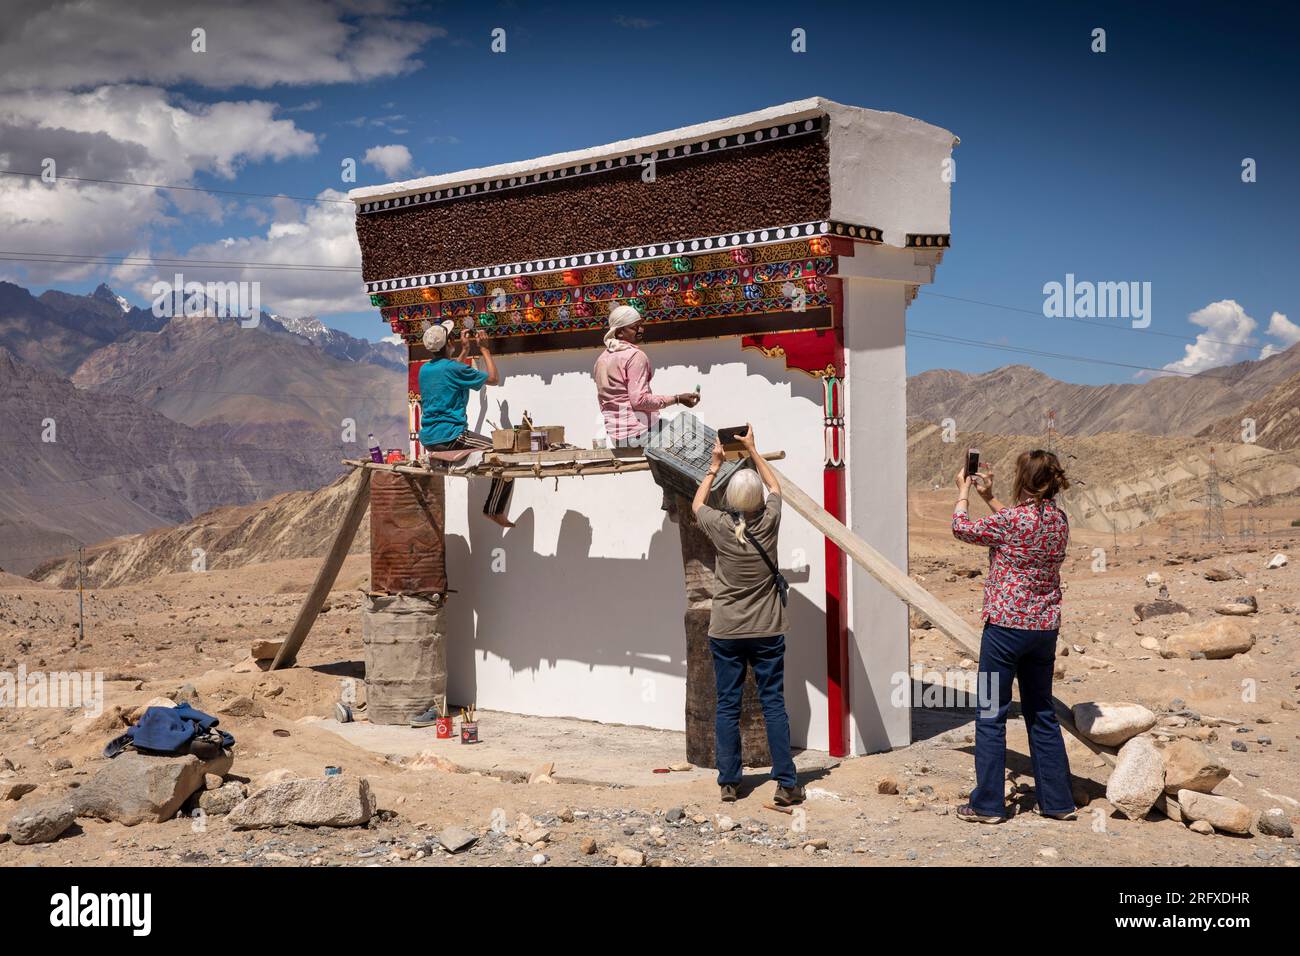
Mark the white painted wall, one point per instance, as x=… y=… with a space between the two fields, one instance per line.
x=585 y=620
x=876 y=490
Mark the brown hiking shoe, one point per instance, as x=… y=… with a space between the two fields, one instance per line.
x=789 y=796
x=729 y=793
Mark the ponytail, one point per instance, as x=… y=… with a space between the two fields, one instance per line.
x=740 y=528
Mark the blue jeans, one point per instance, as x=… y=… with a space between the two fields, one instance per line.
x=1028 y=656
x=766 y=655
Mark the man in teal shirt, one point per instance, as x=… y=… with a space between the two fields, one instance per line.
x=445 y=384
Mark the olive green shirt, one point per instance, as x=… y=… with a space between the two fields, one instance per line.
x=746 y=602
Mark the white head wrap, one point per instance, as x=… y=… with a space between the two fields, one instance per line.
x=619 y=318
x=435 y=337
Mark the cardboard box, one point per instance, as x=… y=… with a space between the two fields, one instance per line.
x=520 y=440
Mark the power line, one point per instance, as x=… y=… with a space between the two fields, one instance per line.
x=1101 y=325
x=940 y=337
x=192 y=189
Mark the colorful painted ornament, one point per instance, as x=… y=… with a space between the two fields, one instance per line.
x=572 y=277
x=691 y=297
x=562 y=313
x=681 y=264
x=626 y=270
x=668 y=302
x=523 y=283
x=532 y=314
x=428 y=294
x=814 y=284
x=378 y=300
x=487 y=319
x=742 y=256
x=753 y=291
x=819 y=245
x=583 y=309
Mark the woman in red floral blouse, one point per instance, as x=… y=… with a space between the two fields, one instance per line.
x=1022 y=615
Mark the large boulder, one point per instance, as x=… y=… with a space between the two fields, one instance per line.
x=324 y=802
x=1138 y=778
x=223 y=799
x=42 y=823
x=1215 y=640
x=1112 y=724
x=1189 y=765
x=140 y=788
x=1223 y=813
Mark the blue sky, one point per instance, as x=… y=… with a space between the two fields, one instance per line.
x=1122 y=166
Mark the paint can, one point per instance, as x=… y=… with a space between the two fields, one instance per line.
x=469 y=731
x=443 y=726
x=332 y=771
x=537 y=441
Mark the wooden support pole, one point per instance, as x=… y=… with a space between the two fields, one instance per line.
x=328 y=573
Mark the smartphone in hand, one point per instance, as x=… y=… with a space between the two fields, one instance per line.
x=972 y=462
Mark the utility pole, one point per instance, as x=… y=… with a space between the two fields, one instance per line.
x=1051 y=429
x=81 y=596
x=1213 y=529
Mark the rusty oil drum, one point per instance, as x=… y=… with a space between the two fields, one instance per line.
x=407 y=523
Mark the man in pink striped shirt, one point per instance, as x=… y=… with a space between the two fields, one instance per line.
x=623 y=374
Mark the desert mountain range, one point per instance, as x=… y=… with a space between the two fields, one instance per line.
x=157 y=420
x=171 y=427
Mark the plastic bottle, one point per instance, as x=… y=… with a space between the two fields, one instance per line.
x=376 y=453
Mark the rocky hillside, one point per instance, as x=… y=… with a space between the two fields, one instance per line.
x=300 y=524
x=1121 y=481
x=201 y=372
x=1014 y=399
x=112 y=467
x=1276 y=419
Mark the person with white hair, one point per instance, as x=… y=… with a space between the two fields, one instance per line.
x=623 y=374
x=445 y=384
x=748 y=622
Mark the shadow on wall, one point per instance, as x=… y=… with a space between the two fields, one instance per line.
x=621 y=612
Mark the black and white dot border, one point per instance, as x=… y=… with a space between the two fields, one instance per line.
x=578 y=170
x=658 y=250
x=939 y=240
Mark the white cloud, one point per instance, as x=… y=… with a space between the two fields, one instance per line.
x=74 y=44
x=1280 y=327
x=299 y=233
x=130 y=134
x=1226 y=339
x=392 y=161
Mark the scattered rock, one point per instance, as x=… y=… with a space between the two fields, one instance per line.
x=1277 y=561
x=887 y=785
x=456 y=839
x=1222 y=574
x=41 y=824
x=543 y=774
x=626 y=856
x=272 y=777
x=265 y=650
x=1239 y=607
x=1153 y=579
x=243 y=707
x=1223 y=813
x=138 y=788
x=1159 y=608
x=1149 y=643
x=1201 y=826
x=725 y=824
x=327 y=802
x=1189 y=765
x=1111 y=724
x=1274 y=822
x=212 y=781
x=587 y=846
x=1138 y=778
x=674 y=814
x=1215 y=640
x=428 y=760
x=221 y=800
x=15 y=789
